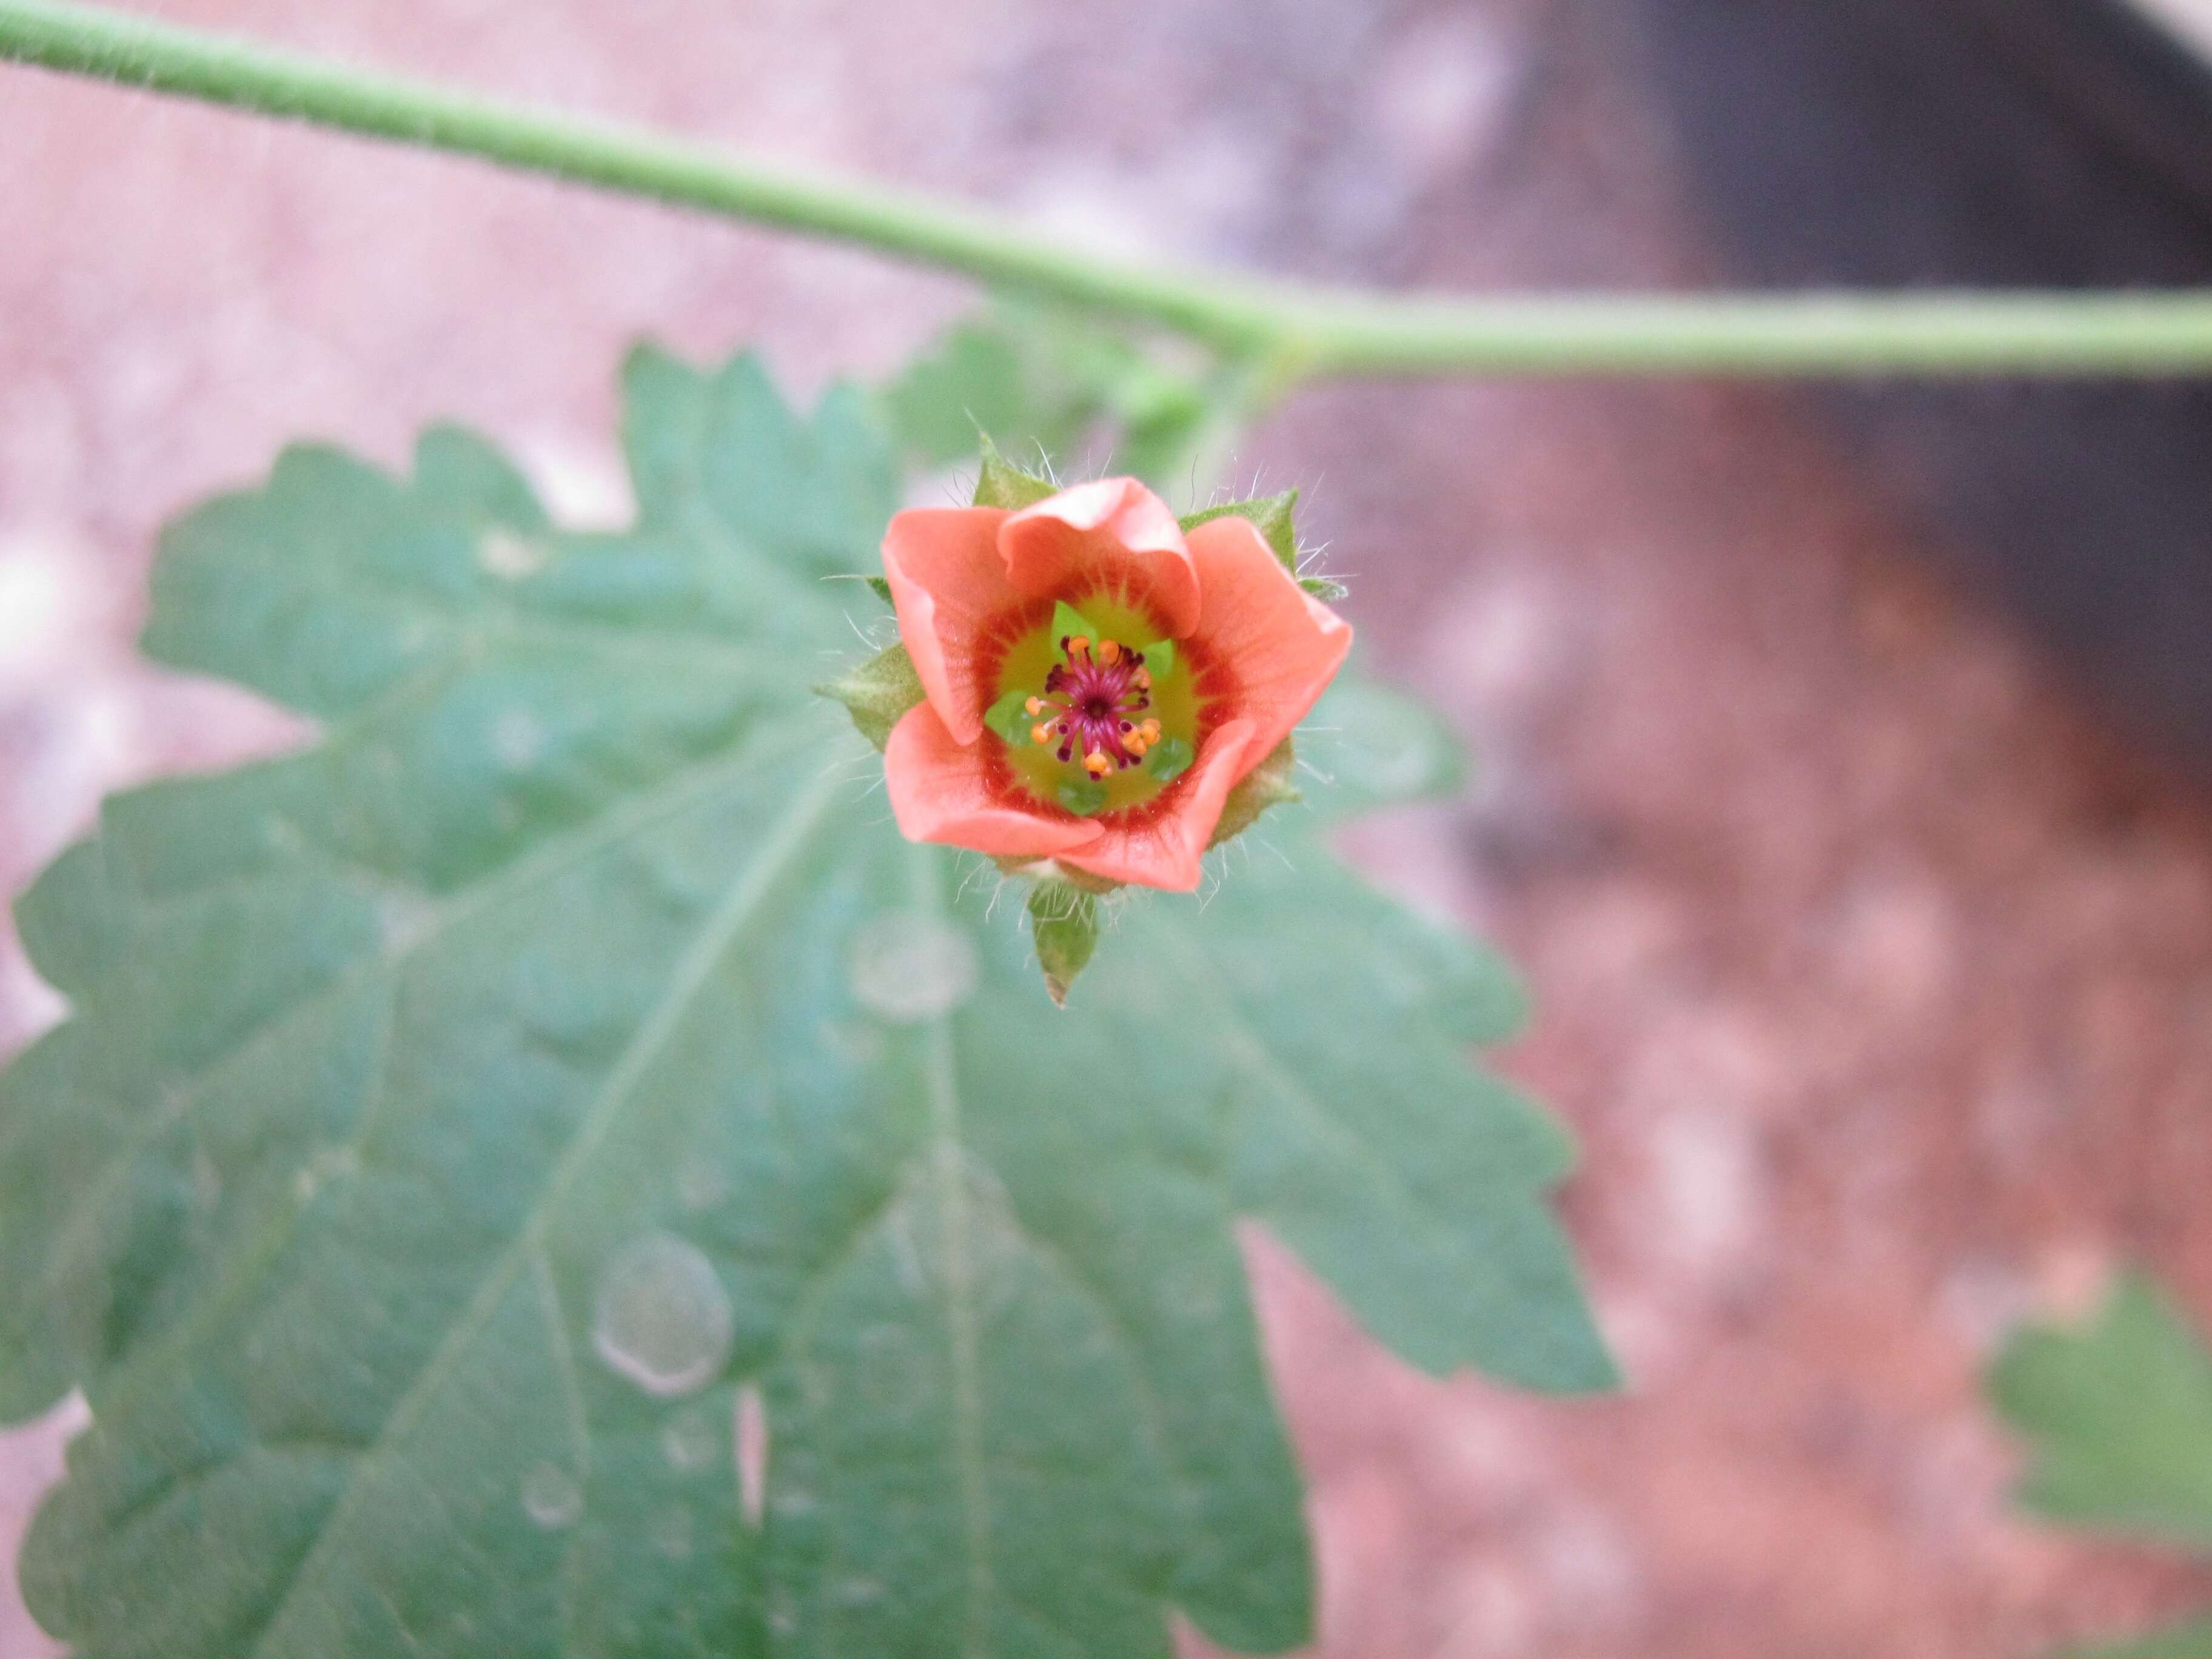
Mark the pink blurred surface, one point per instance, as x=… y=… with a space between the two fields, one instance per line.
x=1878 y=984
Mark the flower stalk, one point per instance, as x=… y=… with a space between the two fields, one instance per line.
x=1290 y=331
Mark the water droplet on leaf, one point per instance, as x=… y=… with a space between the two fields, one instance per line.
x=402 y=920
x=518 y=738
x=692 y=1439
x=331 y=1164
x=661 y=1317
x=908 y=967
x=701 y=1185
x=1380 y=745
x=505 y=554
x=987 y=1265
x=550 y=1497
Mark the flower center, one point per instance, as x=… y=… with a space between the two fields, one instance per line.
x=1094 y=706
x=1098 y=712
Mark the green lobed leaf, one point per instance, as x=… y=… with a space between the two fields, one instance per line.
x=460 y=1117
x=978 y=379
x=1367 y=746
x=1034 y=377
x=2117 y=1416
x=1064 y=921
x=2190 y=1639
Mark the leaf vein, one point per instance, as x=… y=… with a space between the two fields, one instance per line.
x=692 y=971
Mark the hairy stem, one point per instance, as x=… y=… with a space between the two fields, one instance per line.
x=1300 y=331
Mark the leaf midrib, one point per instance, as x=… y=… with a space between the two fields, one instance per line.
x=947 y=1171
x=753 y=884
x=679 y=792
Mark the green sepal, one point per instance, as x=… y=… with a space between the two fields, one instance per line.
x=1270 y=516
x=1066 y=620
x=877 y=585
x=1169 y=759
x=1009 y=718
x=1321 y=587
x=1159 y=658
x=1083 y=798
x=1001 y=483
x=1270 y=783
x=1065 y=921
x=1034 y=869
x=877 y=693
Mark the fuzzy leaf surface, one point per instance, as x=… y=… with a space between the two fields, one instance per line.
x=465 y=1122
x=1043 y=381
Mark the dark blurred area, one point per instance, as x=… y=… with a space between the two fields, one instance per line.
x=2056 y=143
x=1873 y=961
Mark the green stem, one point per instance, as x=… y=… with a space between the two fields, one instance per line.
x=1306 y=331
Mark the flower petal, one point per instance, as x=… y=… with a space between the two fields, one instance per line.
x=947 y=583
x=1282 y=645
x=939 y=793
x=1112 y=534
x=1166 y=850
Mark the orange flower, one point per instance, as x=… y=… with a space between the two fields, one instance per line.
x=1096 y=683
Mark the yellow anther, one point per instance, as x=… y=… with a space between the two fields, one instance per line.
x=1151 y=731
x=1039 y=733
x=1033 y=706
x=1078 y=642
x=1096 y=764
x=1143 y=680
x=1110 y=652
x=1135 y=744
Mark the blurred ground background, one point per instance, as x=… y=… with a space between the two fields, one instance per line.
x=1876 y=977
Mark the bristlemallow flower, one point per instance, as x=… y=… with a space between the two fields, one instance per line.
x=1095 y=681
